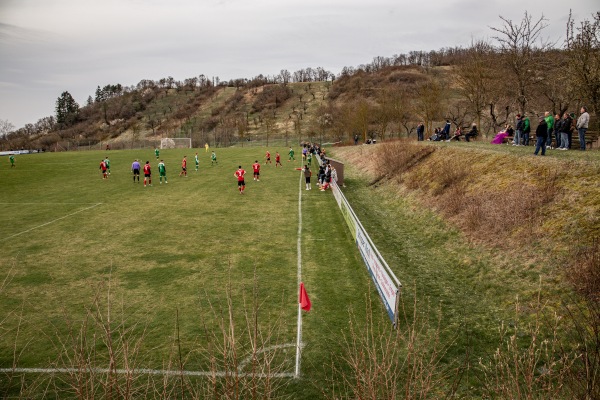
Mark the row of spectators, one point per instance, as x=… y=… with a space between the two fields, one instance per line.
x=551 y=126
x=326 y=172
x=443 y=134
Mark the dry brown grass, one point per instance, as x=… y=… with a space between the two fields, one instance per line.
x=543 y=210
x=500 y=215
x=405 y=363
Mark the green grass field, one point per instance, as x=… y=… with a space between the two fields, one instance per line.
x=166 y=255
x=163 y=265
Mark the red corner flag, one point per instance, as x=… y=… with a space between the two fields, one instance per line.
x=304 y=300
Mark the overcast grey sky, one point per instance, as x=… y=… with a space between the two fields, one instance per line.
x=49 y=46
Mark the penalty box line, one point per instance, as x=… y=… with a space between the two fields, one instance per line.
x=146 y=371
x=50 y=222
x=143 y=371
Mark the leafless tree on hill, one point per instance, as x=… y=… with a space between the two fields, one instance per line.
x=429 y=103
x=475 y=75
x=459 y=114
x=523 y=53
x=583 y=48
x=555 y=83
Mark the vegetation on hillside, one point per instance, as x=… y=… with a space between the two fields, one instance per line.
x=486 y=83
x=539 y=220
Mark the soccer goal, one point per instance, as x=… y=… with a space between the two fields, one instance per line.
x=176 y=143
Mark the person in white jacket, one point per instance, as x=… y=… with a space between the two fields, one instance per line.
x=582 y=125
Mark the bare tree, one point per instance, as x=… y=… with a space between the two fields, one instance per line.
x=5 y=127
x=459 y=112
x=523 y=54
x=361 y=117
x=475 y=74
x=583 y=47
x=556 y=82
x=429 y=103
x=385 y=111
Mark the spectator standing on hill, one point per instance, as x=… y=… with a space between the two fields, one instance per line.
x=472 y=133
x=162 y=172
x=565 y=129
x=526 y=130
x=355 y=139
x=550 y=126
x=420 y=132
x=582 y=126
x=135 y=168
x=446 y=131
x=518 y=130
x=541 y=134
x=557 y=124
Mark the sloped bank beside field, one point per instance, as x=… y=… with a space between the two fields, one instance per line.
x=495 y=239
x=543 y=210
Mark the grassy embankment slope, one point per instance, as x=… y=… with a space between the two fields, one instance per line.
x=474 y=228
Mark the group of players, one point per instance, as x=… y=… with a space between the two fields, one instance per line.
x=162 y=169
x=136 y=167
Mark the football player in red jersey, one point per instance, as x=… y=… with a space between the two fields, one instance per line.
x=277 y=159
x=103 y=168
x=268 y=158
x=147 y=174
x=256 y=169
x=239 y=174
x=183 y=167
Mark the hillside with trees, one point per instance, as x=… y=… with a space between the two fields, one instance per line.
x=485 y=83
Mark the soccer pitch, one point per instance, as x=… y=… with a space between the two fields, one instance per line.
x=166 y=263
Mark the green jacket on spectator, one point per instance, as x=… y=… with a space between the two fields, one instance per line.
x=549 y=121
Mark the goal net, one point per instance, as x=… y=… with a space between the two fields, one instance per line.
x=176 y=143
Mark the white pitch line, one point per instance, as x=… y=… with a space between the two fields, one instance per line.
x=247 y=360
x=143 y=371
x=299 y=249
x=45 y=203
x=162 y=372
x=50 y=222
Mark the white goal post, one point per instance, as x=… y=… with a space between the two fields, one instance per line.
x=176 y=143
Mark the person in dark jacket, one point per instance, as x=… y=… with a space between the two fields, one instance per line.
x=446 y=131
x=472 y=133
x=518 y=131
x=420 y=132
x=557 y=124
x=565 y=130
x=541 y=134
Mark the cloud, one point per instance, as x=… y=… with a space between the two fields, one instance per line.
x=47 y=47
